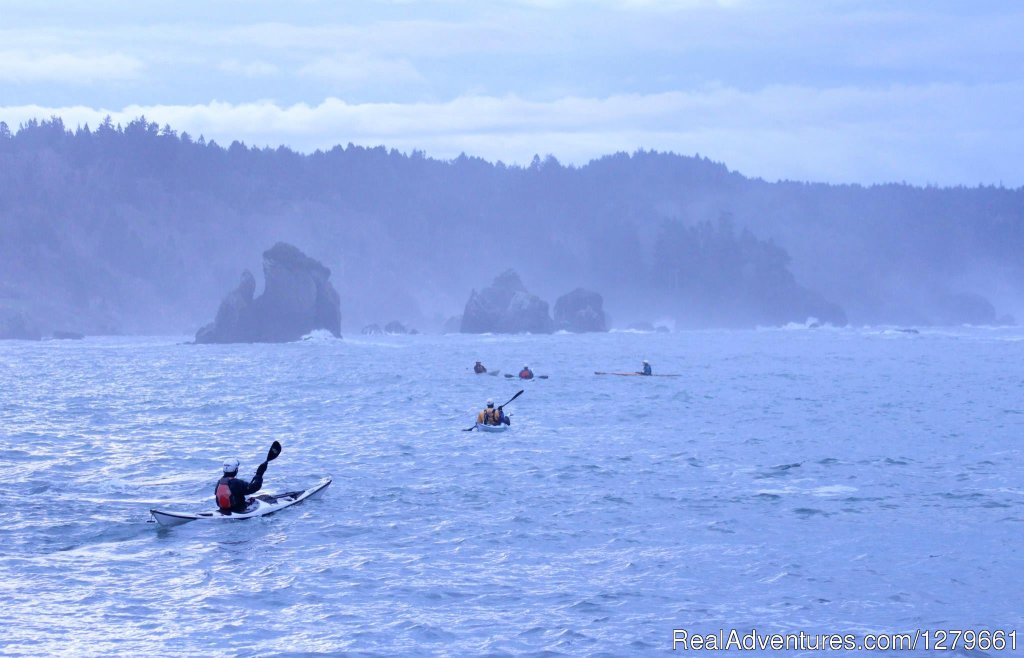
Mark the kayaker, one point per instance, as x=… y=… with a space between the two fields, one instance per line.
x=526 y=373
x=647 y=369
x=492 y=416
x=231 y=491
x=479 y=368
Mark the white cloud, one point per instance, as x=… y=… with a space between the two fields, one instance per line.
x=352 y=69
x=943 y=134
x=248 y=69
x=76 y=69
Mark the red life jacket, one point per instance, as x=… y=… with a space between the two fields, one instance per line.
x=525 y=374
x=224 y=495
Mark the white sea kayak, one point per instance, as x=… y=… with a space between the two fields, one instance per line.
x=258 y=506
x=492 y=428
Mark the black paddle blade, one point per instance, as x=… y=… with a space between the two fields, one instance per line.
x=275 y=450
x=513 y=398
x=469 y=429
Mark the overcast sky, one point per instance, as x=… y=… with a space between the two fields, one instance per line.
x=928 y=92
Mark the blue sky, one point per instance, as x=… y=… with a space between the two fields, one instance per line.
x=836 y=91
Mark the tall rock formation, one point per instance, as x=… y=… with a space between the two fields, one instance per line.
x=297 y=298
x=580 y=311
x=506 y=307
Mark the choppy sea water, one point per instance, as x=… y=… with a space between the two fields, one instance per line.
x=825 y=481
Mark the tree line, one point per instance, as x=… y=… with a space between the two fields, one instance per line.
x=141 y=228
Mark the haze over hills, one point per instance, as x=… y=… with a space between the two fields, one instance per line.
x=143 y=230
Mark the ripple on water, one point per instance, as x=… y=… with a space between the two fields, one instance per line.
x=761 y=488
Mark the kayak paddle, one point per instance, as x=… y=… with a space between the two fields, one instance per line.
x=275 y=450
x=513 y=398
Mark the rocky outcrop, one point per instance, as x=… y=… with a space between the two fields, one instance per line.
x=297 y=298
x=506 y=307
x=580 y=311
x=235 y=321
x=395 y=327
x=372 y=330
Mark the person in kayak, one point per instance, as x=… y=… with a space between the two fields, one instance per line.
x=492 y=416
x=526 y=373
x=479 y=368
x=231 y=491
x=647 y=369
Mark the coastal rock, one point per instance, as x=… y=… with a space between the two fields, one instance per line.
x=580 y=311
x=234 y=322
x=372 y=330
x=297 y=298
x=395 y=327
x=506 y=307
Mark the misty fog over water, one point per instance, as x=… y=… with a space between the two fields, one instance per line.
x=141 y=229
x=606 y=323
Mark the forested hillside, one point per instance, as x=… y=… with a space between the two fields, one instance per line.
x=142 y=229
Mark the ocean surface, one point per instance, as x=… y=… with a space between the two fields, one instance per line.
x=825 y=481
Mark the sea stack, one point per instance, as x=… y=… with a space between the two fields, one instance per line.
x=506 y=307
x=580 y=311
x=297 y=298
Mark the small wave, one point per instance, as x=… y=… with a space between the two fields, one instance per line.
x=808 y=324
x=808 y=512
x=767 y=580
x=320 y=336
x=778 y=471
x=830 y=490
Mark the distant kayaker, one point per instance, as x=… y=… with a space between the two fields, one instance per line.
x=646 y=369
x=492 y=416
x=526 y=373
x=231 y=491
x=479 y=368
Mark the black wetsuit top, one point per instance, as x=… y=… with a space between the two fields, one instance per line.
x=239 y=490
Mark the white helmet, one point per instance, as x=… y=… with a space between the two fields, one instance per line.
x=231 y=465
x=490 y=402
